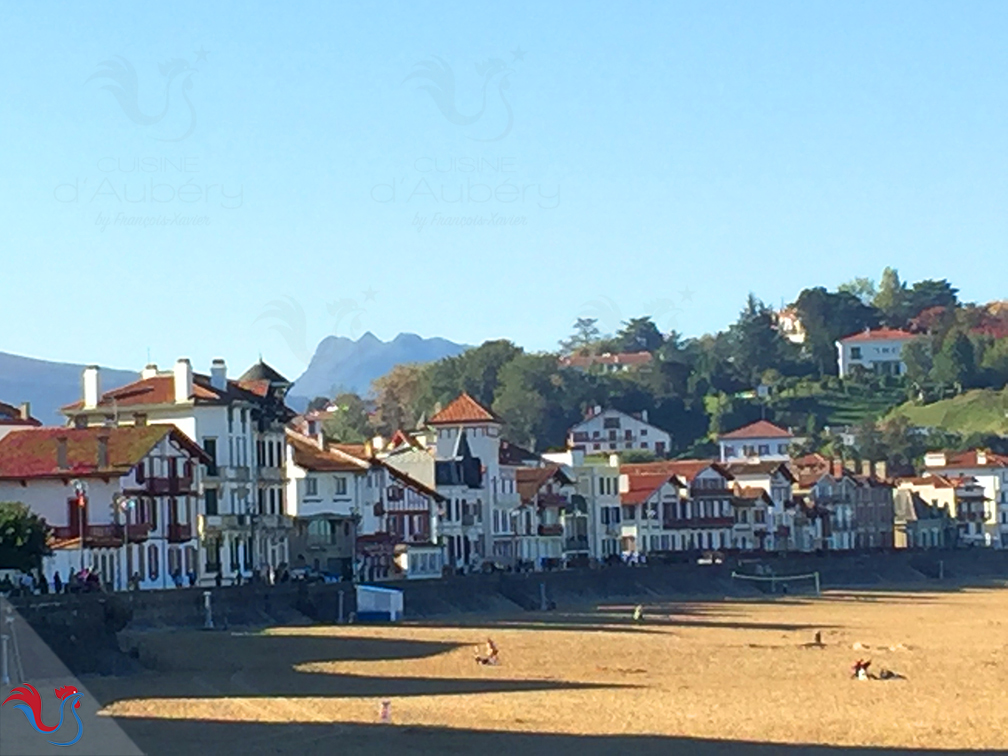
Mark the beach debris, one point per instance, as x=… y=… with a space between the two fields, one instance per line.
x=860 y=646
x=385 y=712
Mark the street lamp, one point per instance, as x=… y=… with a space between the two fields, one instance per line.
x=80 y=491
x=123 y=504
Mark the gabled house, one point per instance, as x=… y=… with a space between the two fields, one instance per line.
x=122 y=501
x=877 y=351
x=990 y=470
x=776 y=479
x=650 y=508
x=611 y=431
x=546 y=529
x=759 y=441
x=240 y=425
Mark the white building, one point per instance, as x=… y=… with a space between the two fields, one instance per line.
x=759 y=441
x=598 y=483
x=776 y=480
x=991 y=472
x=240 y=425
x=879 y=351
x=608 y=431
x=121 y=501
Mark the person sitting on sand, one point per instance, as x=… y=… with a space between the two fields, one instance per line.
x=860 y=670
x=491 y=654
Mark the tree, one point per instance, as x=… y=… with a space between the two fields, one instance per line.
x=828 y=317
x=955 y=365
x=754 y=342
x=995 y=364
x=318 y=403
x=891 y=298
x=930 y=293
x=868 y=441
x=916 y=355
x=639 y=335
x=520 y=402
x=348 y=422
x=586 y=333
x=23 y=538
x=398 y=396
x=862 y=288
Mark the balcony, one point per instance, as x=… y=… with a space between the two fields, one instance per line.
x=162 y=486
x=104 y=536
x=178 y=533
x=551 y=530
x=468 y=520
x=552 y=500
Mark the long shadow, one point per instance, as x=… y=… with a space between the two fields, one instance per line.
x=200 y=665
x=254 y=739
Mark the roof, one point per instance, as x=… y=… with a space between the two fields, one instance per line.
x=310 y=456
x=738 y=469
x=752 y=494
x=643 y=485
x=514 y=455
x=11 y=415
x=160 y=389
x=759 y=429
x=463 y=409
x=530 y=479
x=263 y=372
x=33 y=453
x=621 y=358
x=879 y=334
x=684 y=469
x=969 y=458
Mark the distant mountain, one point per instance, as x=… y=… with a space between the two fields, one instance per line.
x=341 y=364
x=49 y=385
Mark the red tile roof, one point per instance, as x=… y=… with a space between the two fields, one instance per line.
x=752 y=493
x=308 y=455
x=879 y=334
x=643 y=485
x=684 y=469
x=969 y=459
x=160 y=389
x=463 y=409
x=759 y=429
x=33 y=453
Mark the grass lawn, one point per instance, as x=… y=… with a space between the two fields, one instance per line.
x=979 y=411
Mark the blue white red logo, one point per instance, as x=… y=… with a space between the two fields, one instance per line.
x=31 y=706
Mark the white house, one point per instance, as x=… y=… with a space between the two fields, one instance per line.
x=607 y=431
x=878 y=351
x=991 y=472
x=759 y=441
x=776 y=480
x=240 y=425
x=598 y=483
x=121 y=501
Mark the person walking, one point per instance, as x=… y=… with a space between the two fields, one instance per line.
x=57 y=582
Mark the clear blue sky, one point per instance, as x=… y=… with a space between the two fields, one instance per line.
x=662 y=158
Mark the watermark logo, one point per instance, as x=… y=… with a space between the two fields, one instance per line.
x=287 y=318
x=176 y=119
x=31 y=707
x=493 y=119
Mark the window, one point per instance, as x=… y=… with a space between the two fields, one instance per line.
x=764 y=449
x=629 y=511
x=269 y=455
x=611 y=422
x=341 y=486
x=210 y=447
x=855 y=353
x=210 y=501
x=604 y=512
x=230 y=420
x=643 y=431
x=782 y=449
x=244 y=418
x=152 y=561
x=141 y=471
x=311 y=487
x=272 y=497
x=628 y=435
x=643 y=445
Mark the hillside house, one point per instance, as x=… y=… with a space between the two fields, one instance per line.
x=877 y=351
x=611 y=431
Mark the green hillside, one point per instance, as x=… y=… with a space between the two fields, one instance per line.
x=981 y=411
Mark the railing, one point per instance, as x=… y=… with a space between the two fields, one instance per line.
x=551 y=530
x=321 y=541
x=577 y=543
x=104 y=535
x=468 y=519
x=552 y=500
x=180 y=484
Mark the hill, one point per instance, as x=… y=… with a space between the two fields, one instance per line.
x=342 y=364
x=48 y=385
x=982 y=411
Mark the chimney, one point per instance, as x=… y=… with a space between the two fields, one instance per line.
x=377 y=443
x=597 y=410
x=25 y=410
x=643 y=415
x=183 y=381
x=981 y=456
x=850 y=464
x=837 y=467
x=92 y=386
x=320 y=440
x=218 y=374
x=150 y=371
x=61 y=453
x=866 y=468
x=103 y=460
x=882 y=470
x=614 y=460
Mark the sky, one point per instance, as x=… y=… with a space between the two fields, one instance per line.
x=228 y=180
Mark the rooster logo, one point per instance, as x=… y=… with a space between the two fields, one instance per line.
x=32 y=709
x=125 y=88
x=495 y=75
